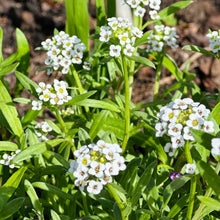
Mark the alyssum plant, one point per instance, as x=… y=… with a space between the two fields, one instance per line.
x=100 y=156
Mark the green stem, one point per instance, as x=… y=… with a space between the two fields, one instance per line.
x=208 y=193
x=192 y=185
x=118 y=201
x=85 y=206
x=127 y=102
x=60 y=120
x=78 y=84
x=158 y=73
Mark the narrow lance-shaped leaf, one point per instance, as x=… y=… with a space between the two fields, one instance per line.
x=8 y=146
x=7 y=190
x=77 y=22
x=210 y=202
x=9 y=112
x=142 y=60
x=216 y=113
x=210 y=176
x=11 y=207
x=33 y=197
x=199 y=50
x=98 y=123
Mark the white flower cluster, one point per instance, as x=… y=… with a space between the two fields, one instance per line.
x=120 y=30
x=95 y=165
x=177 y=118
x=139 y=7
x=41 y=130
x=62 y=51
x=214 y=40
x=55 y=94
x=163 y=35
x=7 y=159
x=215 y=146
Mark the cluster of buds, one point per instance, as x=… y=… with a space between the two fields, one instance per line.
x=95 y=165
x=214 y=40
x=41 y=130
x=7 y=159
x=55 y=94
x=177 y=118
x=62 y=51
x=163 y=35
x=139 y=7
x=67 y=112
x=121 y=31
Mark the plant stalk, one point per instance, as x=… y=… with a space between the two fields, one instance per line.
x=127 y=103
x=60 y=120
x=192 y=185
x=117 y=200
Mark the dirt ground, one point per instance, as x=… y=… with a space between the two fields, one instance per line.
x=38 y=18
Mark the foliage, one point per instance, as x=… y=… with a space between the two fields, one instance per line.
x=44 y=171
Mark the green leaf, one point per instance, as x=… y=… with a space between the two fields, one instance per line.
x=9 y=112
x=11 y=207
x=215 y=113
x=210 y=176
x=77 y=22
x=170 y=64
x=29 y=116
x=8 y=69
x=143 y=183
x=172 y=187
x=199 y=50
x=98 y=104
x=210 y=202
x=111 y=8
x=8 y=61
x=8 y=146
x=178 y=206
x=53 y=189
x=173 y=8
x=22 y=100
x=97 y=124
x=29 y=189
x=7 y=190
x=100 y=13
x=54 y=215
x=202 y=138
x=142 y=60
x=23 y=52
x=28 y=84
x=79 y=98
x=36 y=149
x=54 y=126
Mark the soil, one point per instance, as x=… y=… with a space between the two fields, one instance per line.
x=38 y=18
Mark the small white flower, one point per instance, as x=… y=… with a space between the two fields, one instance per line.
x=111 y=169
x=208 y=126
x=194 y=121
x=73 y=166
x=215 y=146
x=190 y=168
x=87 y=66
x=177 y=141
x=46 y=128
x=174 y=129
x=140 y=11
x=187 y=134
x=124 y=39
x=145 y=2
x=81 y=173
x=154 y=15
x=115 y=50
x=135 y=31
x=155 y=4
x=133 y=3
x=168 y=148
x=129 y=50
x=83 y=150
x=45 y=96
x=161 y=128
x=201 y=110
x=37 y=105
x=80 y=183
x=94 y=187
